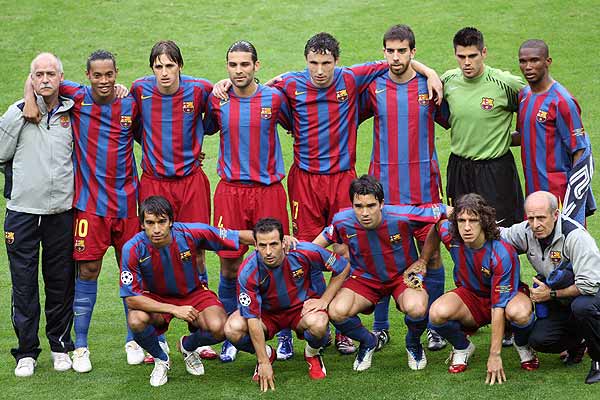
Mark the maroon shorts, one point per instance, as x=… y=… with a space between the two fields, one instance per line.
x=421 y=232
x=373 y=290
x=278 y=320
x=189 y=196
x=93 y=235
x=200 y=299
x=239 y=206
x=481 y=307
x=315 y=198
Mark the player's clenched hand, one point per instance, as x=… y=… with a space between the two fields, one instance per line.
x=495 y=371
x=266 y=377
x=220 y=89
x=313 y=305
x=186 y=313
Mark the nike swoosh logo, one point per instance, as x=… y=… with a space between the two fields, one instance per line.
x=297 y=93
x=377 y=91
x=144 y=259
x=146 y=97
x=76 y=314
x=522 y=100
x=223 y=102
x=501 y=221
x=86 y=104
x=350 y=236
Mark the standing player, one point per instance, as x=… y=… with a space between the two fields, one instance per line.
x=250 y=162
x=481 y=101
x=486 y=274
x=160 y=280
x=105 y=188
x=381 y=246
x=555 y=150
x=171 y=110
x=276 y=291
x=404 y=159
x=324 y=102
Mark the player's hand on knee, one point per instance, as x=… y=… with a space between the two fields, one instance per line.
x=186 y=313
x=313 y=305
x=495 y=370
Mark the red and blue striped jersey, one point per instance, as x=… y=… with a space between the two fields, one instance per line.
x=551 y=131
x=287 y=285
x=492 y=271
x=325 y=120
x=403 y=159
x=249 y=146
x=170 y=270
x=381 y=254
x=172 y=126
x=106 y=180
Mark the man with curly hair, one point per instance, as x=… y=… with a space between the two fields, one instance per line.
x=488 y=290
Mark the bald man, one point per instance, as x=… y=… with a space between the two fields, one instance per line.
x=557 y=246
x=555 y=149
x=36 y=162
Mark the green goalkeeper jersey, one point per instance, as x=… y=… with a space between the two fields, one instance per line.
x=481 y=111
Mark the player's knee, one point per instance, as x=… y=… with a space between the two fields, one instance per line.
x=317 y=324
x=89 y=270
x=416 y=310
x=439 y=312
x=137 y=320
x=585 y=307
x=338 y=311
x=216 y=326
x=235 y=328
x=519 y=312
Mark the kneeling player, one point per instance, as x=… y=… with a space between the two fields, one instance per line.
x=381 y=245
x=276 y=291
x=486 y=274
x=160 y=281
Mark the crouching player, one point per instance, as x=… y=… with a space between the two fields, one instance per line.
x=381 y=245
x=160 y=281
x=486 y=274
x=276 y=291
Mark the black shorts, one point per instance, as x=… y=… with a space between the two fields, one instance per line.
x=496 y=180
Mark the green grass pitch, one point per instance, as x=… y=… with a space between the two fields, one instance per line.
x=279 y=29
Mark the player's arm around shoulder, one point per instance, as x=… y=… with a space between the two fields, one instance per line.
x=516 y=236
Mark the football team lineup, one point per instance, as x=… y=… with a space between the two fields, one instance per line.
x=378 y=234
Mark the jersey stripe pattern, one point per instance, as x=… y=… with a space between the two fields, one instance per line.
x=288 y=285
x=383 y=253
x=172 y=126
x=106 y=180
x=404 y=158
x=492 y=271
x=325 y=120
x=249 y=145
x=170 y=270
x=551 y=131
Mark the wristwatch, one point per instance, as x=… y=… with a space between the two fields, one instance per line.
x=553 y=294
